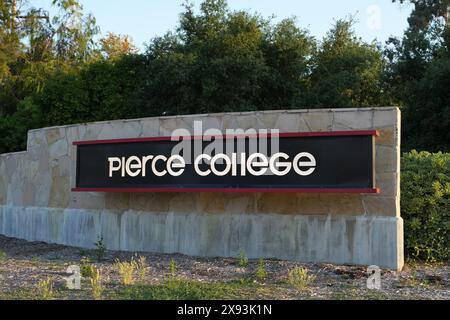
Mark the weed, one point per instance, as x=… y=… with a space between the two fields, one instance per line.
x=34 y=261
x=100 y=249
x=299 y=277
x=96 y=284
x=178 y=289
x=414 y=280
x=45 y=289
x=2 y=257
x=243 y=260
x=126 y=270
x=141 y=265
x=86 y=268
x=261 y=273
x=172 y=268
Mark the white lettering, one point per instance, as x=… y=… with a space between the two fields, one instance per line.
x=298 y=164
x=113 y=168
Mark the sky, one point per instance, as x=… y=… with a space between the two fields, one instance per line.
x=145 y=19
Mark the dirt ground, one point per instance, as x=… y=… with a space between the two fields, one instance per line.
x=25 y=264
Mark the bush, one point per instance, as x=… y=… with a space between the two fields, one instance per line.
x=299 y=277
x=425 y=205
x=126 y=271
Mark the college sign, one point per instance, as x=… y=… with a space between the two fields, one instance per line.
x=264 y=162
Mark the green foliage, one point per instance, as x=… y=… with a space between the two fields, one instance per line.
x=172 y=268
x=299 y=277
x=14 y=127
x=100 y=249
x=418 y=77
x=261 y=273
x=126 y=271
x=347 y=72
x=141 y=267
x=427 y=118
x=425 y=205
x=52 y=72
x=243 y=260
x=96 y=284
x=425 y=11
x=87 y=269
x=217 y=60
x=45 y=289
x=177 y=289
x=2 y=257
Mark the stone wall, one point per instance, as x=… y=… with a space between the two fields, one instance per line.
x=36 y=202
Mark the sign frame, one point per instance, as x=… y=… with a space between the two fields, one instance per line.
x=373 y=133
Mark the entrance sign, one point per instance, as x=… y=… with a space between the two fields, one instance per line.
x=340 y=161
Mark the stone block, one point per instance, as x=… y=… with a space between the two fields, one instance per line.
x=356 y=119
x=381 y=206
x=288 y=122
x=318 y=121
x=209 y=202
x=387 y=159
x=386 y=117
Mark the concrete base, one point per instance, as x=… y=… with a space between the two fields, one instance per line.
x=362 y=240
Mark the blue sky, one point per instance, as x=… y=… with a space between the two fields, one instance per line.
x=145 y=19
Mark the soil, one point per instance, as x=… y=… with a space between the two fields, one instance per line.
x=25 y=264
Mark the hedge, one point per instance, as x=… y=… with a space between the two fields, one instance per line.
x=425 y=205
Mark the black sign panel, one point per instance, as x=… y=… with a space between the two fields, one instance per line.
x=304 y=162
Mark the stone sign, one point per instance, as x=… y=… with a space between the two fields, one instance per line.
x=37 y=201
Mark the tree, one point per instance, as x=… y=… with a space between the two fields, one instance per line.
x=114 y=46
x=425 y=12
x=347 y=72
x=221 y=60
x=73 y=32
x=287 y=50
x=33 y=46
x=418 y=76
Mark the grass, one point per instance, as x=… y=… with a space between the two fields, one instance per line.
x=2 y=257
x=243 y=260
x=261 y=273
x=172 y=268
x=96 y=285
x=126 y=271
x=255 y=283
x=45 y=289
x=181 y=289
x=86 y=268
x=299 y=278
x=177 y=289
x=100 y=249
x=169 y=290
x=141 y=266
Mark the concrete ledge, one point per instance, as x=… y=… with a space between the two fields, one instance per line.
x=363 y=240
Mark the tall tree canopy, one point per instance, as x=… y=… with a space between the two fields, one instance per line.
x=419 y=77
x=54 y=70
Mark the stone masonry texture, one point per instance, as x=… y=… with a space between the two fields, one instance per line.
x=36 y=202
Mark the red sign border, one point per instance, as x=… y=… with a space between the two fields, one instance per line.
x=374 y=133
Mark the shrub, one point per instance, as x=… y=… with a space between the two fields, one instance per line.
x=126 y=270
x=100 y=249
x=261 y=273
x=299 y=277
x=425 y=205
x=96 y=284
x=141 y=265
x=45 y=289
x=172 y=268
x=87 y=270
x=243 y=260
